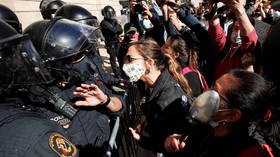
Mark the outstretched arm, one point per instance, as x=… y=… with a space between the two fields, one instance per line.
x=95 y=96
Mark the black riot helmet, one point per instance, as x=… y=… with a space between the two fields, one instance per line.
x=49 y=7
x=59 y=38
x=80 y=15
x=108 y=12
x=20 y=63
x=7 y=15
x=76 y=13
x=61 y=42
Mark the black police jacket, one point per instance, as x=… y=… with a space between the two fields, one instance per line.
x=89 y=129
x=110 y=30
x=165 y=110
x=25 y=133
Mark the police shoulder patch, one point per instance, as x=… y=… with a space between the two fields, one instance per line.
x=61 y=146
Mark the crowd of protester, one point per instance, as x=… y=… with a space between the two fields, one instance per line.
x=52 y=75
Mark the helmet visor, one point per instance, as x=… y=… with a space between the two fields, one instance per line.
x=66 y=37
x=20 y=64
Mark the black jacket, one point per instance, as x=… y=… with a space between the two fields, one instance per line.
x=110 y=30
x=89 y=129
x=165 y=110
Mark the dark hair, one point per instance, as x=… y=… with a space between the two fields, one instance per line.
x=188 y=54
x=249 y=94
x=150 y=49
x=270 y=62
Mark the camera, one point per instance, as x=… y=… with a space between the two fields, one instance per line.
x=138 y=7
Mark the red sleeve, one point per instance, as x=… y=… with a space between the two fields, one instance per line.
x=249 y=41
x=217 y=37
x=259 y=150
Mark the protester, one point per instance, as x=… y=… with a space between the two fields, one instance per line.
x=243 y=38
x=169 y=92
x=186 y=55
x=243 y=105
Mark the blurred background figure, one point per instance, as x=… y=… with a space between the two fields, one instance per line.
x=111 y=29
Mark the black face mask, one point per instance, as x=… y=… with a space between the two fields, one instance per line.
x=84 y=68
x=70 y=74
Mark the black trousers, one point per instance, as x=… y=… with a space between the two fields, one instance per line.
x=113 y=51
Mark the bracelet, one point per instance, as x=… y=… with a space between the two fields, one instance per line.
x=105 y=104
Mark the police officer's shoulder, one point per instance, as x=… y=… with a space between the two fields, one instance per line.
x=27 y=134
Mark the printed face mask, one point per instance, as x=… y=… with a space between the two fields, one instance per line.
x=134 y=71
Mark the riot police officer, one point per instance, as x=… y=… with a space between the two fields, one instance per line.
x=49 y=7
x=8 y=16
x=64 y=46
x=23 y=130
x=83 y=16
x=111 y=29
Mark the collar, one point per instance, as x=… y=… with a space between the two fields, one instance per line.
x=162 y=82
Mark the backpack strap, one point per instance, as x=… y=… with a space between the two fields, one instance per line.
x=201 y=77
x=267 y=150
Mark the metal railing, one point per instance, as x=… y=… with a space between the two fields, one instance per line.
x=121 y=143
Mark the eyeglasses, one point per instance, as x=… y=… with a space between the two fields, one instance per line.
x=224 y=107
x=129 y=58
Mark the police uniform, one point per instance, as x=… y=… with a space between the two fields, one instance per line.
x=25 y=133
x=89 y=129
x=111 y=31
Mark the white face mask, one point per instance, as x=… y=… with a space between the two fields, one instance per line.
x=147 y=24
x=235 y=38
x=134 y=71
x=276 y=14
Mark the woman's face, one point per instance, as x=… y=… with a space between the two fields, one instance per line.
x=133 y=56
x=226 y=114
x=134 y=64
x=221 y=86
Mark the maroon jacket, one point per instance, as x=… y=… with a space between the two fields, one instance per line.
x=232 y=58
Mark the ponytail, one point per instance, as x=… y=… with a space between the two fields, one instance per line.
x=175 y=69
x=150 y=49
x=193 y=58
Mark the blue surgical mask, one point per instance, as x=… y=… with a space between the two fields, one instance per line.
x=147 y=24
x=276 y=14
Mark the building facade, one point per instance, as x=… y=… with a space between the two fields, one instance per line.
x=28 y=10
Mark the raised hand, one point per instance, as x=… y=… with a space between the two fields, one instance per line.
x=146 y=9
x=92 y=94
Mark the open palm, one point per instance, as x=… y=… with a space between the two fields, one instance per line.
x=92 y=94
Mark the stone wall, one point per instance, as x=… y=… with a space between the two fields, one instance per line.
x=28 y=10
